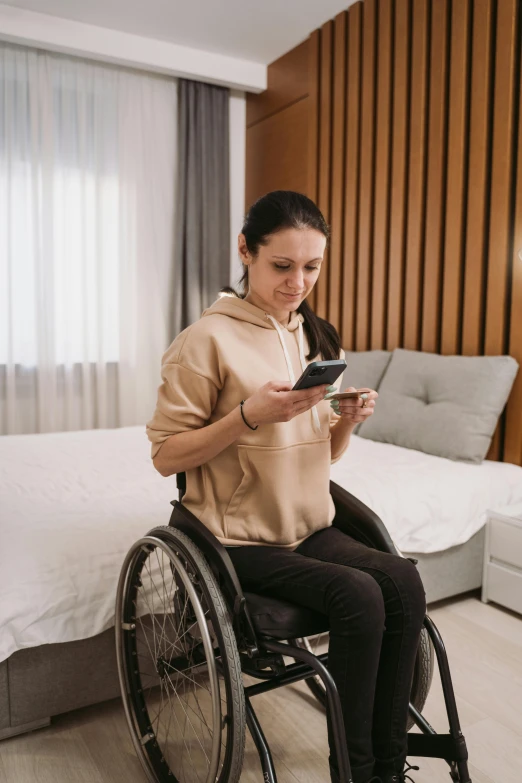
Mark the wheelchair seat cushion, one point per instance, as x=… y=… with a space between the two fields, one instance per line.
x=283 y=620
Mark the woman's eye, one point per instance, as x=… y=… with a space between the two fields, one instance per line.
x=311 y=268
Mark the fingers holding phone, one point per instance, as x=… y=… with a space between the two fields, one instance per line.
x=276 y=401
x=279 y=401
x=304 y=399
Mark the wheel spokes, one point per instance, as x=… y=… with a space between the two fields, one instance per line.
x=171 y=654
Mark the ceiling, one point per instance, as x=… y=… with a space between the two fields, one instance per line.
x=257 y=30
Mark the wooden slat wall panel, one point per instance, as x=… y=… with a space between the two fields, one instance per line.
x=456 y=169
x=285 y=131
x=313 y=127
x=478 y=179
x=436 y=177
x=500 y=217
x=325 y=152
x=382 y=177
x=416 y=176
x=275 y=141
x=501 y=177
x=366 y=177
x=400 y=127
x=414 y=154
x=334 y=264
x=513 y=436
x=351 y=205
x=313 y=108
x=287 y=82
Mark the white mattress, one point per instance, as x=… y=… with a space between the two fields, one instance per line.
x=72 y=503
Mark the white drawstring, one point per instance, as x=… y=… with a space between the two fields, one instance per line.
x=315 y=417
x=285 y=350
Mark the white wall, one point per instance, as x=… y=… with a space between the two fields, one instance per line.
x=100 y=43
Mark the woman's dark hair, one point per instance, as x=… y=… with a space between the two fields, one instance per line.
x=274 y=212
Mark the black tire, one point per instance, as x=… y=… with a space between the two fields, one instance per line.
x=187 y=560
x=422 y=674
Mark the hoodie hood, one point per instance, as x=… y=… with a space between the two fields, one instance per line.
x=228 y=304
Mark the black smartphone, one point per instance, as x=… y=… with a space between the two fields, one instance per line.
x=320 y=372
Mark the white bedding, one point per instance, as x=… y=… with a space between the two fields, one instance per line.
x=72 y=503
x=427 y=503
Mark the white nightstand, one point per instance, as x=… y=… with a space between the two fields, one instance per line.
x=502 y=575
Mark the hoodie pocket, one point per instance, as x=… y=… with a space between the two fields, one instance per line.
x=284 y=494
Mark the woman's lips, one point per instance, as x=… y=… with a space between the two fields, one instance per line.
x=291 y=296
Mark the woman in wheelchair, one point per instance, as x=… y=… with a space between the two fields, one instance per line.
x=257 y=458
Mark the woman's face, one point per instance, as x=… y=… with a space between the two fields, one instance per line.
x=289 y=263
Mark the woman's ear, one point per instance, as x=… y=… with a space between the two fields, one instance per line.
x=242 y=249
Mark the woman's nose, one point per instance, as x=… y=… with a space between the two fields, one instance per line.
x=296 y=283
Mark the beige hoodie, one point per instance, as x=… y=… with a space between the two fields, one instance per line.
x=272 y=486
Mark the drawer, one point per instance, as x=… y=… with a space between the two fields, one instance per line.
x=505 y=542
x=504 y=586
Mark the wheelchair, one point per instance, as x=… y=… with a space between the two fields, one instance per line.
x=186 y=632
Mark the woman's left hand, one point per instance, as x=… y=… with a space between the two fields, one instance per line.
x=356 y=410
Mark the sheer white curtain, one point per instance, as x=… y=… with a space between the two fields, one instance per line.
x=87 y=176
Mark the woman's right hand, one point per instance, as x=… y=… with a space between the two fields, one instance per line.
x=275 y=402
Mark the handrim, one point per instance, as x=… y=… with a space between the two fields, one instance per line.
x=124 y=625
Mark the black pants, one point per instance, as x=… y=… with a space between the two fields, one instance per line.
x=375 y=603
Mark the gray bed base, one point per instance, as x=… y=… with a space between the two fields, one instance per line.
x=40 y=682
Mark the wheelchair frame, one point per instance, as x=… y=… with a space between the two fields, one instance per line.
x=259 y=653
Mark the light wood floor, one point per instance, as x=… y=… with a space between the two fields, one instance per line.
x=484 y=645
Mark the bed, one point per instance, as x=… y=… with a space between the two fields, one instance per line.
x=72 y=503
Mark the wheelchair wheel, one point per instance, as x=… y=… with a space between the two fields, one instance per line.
x=422 y=674
x=178 y=663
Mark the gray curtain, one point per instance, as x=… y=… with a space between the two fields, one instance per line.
x=202 y=230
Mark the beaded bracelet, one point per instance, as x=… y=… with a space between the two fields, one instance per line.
x=243 y=415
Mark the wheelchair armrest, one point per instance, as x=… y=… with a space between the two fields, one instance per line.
x=355 y=519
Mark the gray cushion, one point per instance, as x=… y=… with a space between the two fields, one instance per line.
x=442 y=405
x=365 y=369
